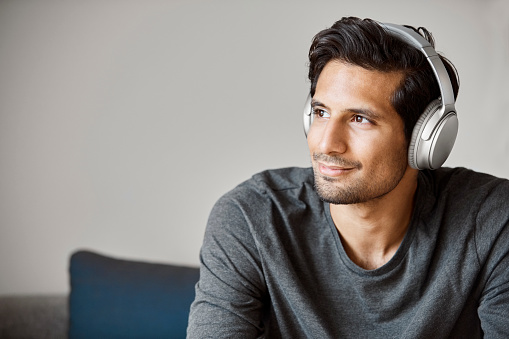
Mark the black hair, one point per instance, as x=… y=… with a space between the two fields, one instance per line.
x=363 y=42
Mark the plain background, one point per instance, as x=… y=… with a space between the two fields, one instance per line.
x=122 y=122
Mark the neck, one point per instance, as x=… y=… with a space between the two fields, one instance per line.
x=371 y=232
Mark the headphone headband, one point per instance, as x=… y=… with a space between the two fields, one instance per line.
x=415 y=39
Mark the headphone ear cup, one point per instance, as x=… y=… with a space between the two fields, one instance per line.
x=308 y=116
x=415 y=140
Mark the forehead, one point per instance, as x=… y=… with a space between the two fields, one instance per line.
x=342 y=86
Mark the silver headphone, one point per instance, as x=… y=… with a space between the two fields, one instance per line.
x=434 y=133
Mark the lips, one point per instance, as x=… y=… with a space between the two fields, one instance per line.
x=333 y=171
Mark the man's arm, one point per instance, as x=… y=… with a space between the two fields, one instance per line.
x=231 y=290
x=494 y=304
x=493 y=307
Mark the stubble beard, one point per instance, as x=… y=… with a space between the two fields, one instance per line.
x=354 y=189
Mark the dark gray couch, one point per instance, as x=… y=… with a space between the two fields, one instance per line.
x=37 y=316
x=109 y=298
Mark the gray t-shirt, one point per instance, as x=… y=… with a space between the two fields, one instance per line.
x=273 y=266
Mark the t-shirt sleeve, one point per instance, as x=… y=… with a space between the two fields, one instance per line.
x=494 y=302
x=230 y=295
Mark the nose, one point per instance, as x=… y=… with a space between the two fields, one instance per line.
x=333 y=138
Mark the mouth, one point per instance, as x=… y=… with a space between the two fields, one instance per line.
x=333 y=171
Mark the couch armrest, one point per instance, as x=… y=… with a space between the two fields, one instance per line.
x=38 y=316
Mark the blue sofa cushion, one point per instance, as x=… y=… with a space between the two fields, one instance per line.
x=112 y=298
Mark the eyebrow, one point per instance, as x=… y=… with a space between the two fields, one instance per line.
x=364 y=111
x=315 y=103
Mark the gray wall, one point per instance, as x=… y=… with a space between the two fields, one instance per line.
x=121 y=122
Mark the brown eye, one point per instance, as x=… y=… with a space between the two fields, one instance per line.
x=361 y=120
x=320 y=113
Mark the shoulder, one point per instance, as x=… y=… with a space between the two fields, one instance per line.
x=265 y=197
x=472 y=201
x=462 y=189
x=284 y=178
x=463 y=183
x=260 y=206
x=271 y=184
x=475 y=200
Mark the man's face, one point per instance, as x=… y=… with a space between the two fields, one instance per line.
x=357 y=144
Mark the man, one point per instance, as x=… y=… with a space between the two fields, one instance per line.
x=362 y=245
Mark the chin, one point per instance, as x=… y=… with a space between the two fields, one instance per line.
x=355 y=190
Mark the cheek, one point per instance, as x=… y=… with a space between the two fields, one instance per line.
x=313 y=138
x=375 y=150
x=389 y=153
